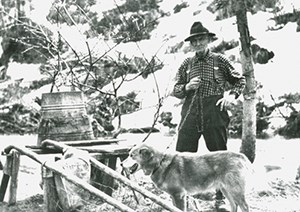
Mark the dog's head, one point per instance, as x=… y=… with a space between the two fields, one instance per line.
x=141 y=157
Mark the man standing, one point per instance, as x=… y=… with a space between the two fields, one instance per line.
x=201 y=80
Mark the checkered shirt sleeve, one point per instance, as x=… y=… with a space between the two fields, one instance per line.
x=214 y=77
x=181 y=80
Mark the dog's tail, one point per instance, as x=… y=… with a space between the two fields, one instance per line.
x=244 y=173
x=241 y=174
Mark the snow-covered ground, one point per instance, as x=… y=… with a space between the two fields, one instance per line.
x=273 y=152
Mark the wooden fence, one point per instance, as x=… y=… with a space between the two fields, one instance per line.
x=12 y=166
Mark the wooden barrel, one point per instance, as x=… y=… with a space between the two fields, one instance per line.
x=64 y=117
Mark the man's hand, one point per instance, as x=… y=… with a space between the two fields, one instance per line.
x=193 y=84
x=225 y=101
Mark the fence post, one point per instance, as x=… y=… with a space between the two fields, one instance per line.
x=50 y=194
x=3 y=187
x=14 y=177
x=108 y=181
x=6 y=176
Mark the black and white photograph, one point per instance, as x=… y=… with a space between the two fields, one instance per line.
x=149 y=105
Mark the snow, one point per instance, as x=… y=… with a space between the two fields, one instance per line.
x=288 y=6
x=40 y=11
x=281 y=75
x=27 y=72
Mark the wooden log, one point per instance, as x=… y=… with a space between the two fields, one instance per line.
x=39 y=150
x=78 y=144
x=6 y=176
x=3 y=187
x=141 y=190
x=8 y=165
x=72 y=178
x=14 y=178
x=92 y=142
x=50 y=195
x=121 y=178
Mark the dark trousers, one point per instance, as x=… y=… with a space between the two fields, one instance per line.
x=214 y=130
x=215 y=139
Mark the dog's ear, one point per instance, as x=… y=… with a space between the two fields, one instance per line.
x=145 y=153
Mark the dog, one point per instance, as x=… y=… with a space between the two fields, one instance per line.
x=181 y=173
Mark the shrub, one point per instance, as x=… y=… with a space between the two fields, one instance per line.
x=27 y=43
x=235 y=127
x=287 y=17
x=179 y=7
x=261 y=55
x=17 y=119
x=225 y=7
x=36 y=84
x=292 y=127
x=105 y=108
x=71 y=11
x=132 y=21
x=263 y=113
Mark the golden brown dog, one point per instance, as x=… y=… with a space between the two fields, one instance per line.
x=190 y=173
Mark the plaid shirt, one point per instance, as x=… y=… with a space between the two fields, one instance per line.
x=214 y=70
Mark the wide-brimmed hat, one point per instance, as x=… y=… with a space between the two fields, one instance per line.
x=198 y=29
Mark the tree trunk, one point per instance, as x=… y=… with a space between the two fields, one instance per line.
x=8 y=45
x=249 y=105
x=4 y=59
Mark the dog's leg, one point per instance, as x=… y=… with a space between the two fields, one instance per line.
x=179 y=200
x=244 y=205
x=236 y=198
x=241 y=201
x=232 y=202
x=237 y=193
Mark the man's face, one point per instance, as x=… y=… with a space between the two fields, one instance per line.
x=200 y=43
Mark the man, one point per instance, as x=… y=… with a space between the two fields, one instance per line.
x=201 y=81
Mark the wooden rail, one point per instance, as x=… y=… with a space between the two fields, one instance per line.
x=72 y=178
x=119 y=177
x=79 y=182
